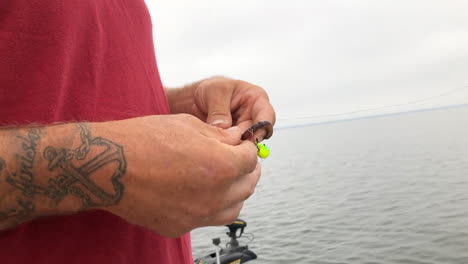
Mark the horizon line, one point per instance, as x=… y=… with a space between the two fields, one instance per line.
x=372 y=116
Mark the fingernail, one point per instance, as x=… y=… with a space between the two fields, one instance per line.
x=217 y=122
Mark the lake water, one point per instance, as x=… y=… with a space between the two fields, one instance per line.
x=383 y=190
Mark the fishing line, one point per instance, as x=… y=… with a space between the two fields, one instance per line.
x=380 y=107
x=249 y=236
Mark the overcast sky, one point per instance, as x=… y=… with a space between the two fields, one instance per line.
x=320 y=58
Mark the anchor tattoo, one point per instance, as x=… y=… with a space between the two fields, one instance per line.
x=73 y=177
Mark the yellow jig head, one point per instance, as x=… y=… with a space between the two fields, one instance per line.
x=263 y=151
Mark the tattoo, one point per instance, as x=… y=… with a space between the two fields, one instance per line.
x=24 y=212
x=76 y=180
x=23 y=179
x=71 y=173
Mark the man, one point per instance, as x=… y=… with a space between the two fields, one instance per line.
x=93 y=168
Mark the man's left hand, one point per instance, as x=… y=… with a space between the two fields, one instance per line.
x=223 y=102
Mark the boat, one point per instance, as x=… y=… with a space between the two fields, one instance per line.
x=234 y=252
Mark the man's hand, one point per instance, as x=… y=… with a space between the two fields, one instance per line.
x=223 y=102
x=169 y=173
x=184 y=174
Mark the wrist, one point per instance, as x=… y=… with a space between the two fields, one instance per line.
x=181 y=99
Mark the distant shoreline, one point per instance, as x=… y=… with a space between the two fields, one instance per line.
x=371 y=116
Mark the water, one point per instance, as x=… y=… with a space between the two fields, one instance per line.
x=384 y=190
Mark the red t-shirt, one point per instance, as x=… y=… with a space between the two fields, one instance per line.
x=75 y=60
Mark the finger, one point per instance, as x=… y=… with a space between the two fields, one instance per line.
x=240 y=191
x=259 y=109
x=231 y=136
x=218 y=106
x=243 y=187
x=196 y=112
x=262 y=110
x=226 y=216
x=243 y=158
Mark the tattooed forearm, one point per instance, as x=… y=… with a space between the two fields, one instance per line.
x=23 y=178
x=77 y=180
x=90 y=173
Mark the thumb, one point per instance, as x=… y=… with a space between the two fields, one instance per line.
x=219 y=111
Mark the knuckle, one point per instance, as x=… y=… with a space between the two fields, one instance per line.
x=225 y=86
x=227 y=169
x=256 y=88
x=252 y=161
x=209 y=206
x=219 y=83
x=235 y=213
x=219 y=110
x=261 y=91
x=253 y=183
x=222 y=179
x=198 y=210
x=250 y=190
x=213 y=209
x=229 y=217
x=185 y=118
x=273 y=116
x=216 y=170
x=220 y=133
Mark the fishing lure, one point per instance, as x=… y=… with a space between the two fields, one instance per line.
x=262 y=124
x=262 y=150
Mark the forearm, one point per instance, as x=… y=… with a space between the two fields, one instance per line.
x=58 y=169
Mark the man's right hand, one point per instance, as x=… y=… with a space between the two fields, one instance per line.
x=182 y=173
x=170 y=173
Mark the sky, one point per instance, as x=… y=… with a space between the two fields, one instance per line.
x=321 y=60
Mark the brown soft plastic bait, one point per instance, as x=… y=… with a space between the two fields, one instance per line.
x=263 y=124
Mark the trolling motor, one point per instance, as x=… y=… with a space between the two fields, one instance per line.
x=233 y=253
